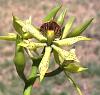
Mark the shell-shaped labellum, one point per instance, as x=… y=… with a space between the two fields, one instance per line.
x=52 y=25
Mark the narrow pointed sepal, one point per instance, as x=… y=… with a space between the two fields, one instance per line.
x=52 y=13
x=9 y=37
x=80 y=29
x=60 y=19
x=44 y=64
x=68 y=27
x=70 y=41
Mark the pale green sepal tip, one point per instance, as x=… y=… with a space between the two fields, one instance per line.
x=9 y=37
x=82 y=69
x=52 y=13
x=29 y=21
x=74 y=68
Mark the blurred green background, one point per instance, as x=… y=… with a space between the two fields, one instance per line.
x=87 y=52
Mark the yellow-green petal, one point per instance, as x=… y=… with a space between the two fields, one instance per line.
x=68 y=27
x=52 y=13
x=70 y=41
x=79 y=29
x=65 y=55
x=71 y=56
x=59 y=50
x=44 y=64
x=32 y=30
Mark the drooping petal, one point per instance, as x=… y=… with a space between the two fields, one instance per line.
x=44 y=64
x=70 y=41
x=65 y=55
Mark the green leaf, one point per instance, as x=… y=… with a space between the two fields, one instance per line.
x=52 y=13
x=31 y=45
x=73 y=82
x=32 y=30
x=68 y=27
x=70 y=41
x=60 y=19
x=9 y=37
x=65 y=55
x=44 y=64
x=79 y=29
x=73 y=67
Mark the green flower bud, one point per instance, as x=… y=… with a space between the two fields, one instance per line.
x=19 y=59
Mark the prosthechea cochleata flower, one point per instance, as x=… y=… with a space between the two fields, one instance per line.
x=51 y=36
